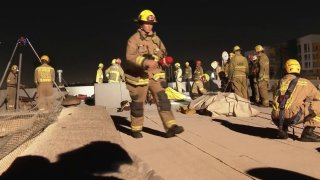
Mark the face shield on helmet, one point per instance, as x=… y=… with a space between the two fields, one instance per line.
x=292 y=66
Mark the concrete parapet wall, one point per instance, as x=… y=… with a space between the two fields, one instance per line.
x=111 y=94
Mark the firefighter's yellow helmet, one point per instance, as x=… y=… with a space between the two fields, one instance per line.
x=147 y=16
x=236 y=48
x=45 y=58
x=187 y=63
x=258 y=48
x=114 y=61
x=100 y=65
x=177 y=64
x=292 y=66
x=14 y=67
x=205 y=77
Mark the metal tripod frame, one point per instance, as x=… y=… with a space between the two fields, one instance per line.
x=22 y=41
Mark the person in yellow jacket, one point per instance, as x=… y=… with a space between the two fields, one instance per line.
x=144 y=52
x=302 y=105
x=12 y=81
x=198 y=88
x=238 y=73
x=44 y=76
x=263 y=75
x=99 y=76
x=115 y=73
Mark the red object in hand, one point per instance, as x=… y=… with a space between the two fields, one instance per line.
x=166 y=61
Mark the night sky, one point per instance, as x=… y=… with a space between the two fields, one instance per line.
x=79 y=35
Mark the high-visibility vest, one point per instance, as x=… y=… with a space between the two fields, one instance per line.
x=44 y=74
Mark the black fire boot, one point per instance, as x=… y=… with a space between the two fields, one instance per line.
x=308 y=135
x=173 y=130
x=283 y=134
x=136 y=134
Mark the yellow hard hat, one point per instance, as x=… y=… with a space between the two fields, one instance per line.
x=187 y=63
x=14 y=67
x=258 y=48
x=147 y=16
x=100 y=65
x=114 y=61
x=206 y=77
x=236 y=48
x=292 y=66
x=45 y=58
x=177 y=64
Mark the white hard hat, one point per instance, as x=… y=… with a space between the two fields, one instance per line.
x=214 y=64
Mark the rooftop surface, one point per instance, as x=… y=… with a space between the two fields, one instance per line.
x=96 y=141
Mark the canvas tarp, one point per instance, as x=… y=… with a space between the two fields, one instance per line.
x=224 y=104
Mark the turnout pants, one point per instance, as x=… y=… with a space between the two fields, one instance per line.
x=11 y=97
x=240 y=87
x=138 y=96
x=263 y=91
x=45 y=96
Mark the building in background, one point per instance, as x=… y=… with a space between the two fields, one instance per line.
x=308 y=48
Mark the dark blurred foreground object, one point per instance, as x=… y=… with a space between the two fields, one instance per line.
x=124 y=106
x=90 y=101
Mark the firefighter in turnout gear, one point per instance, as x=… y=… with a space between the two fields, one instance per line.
x=12 y=81
x=178 y=76
x=253 y=78
x=296 y=100
x=188 y=76
x=99 y=76
x=263 y=77
x=44 y=76
x=144 y=52
x=197 y=86
x=225 y=81
x=115 y=73
x=238 y=73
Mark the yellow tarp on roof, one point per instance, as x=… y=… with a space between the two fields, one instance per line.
x=174 y=95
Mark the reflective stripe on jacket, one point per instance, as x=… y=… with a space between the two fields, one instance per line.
x=44 y=73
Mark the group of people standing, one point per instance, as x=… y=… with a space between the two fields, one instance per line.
x=198 y=77
x=234 y=73
x=44 y=77
x=114 y=73
x=256 y=69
